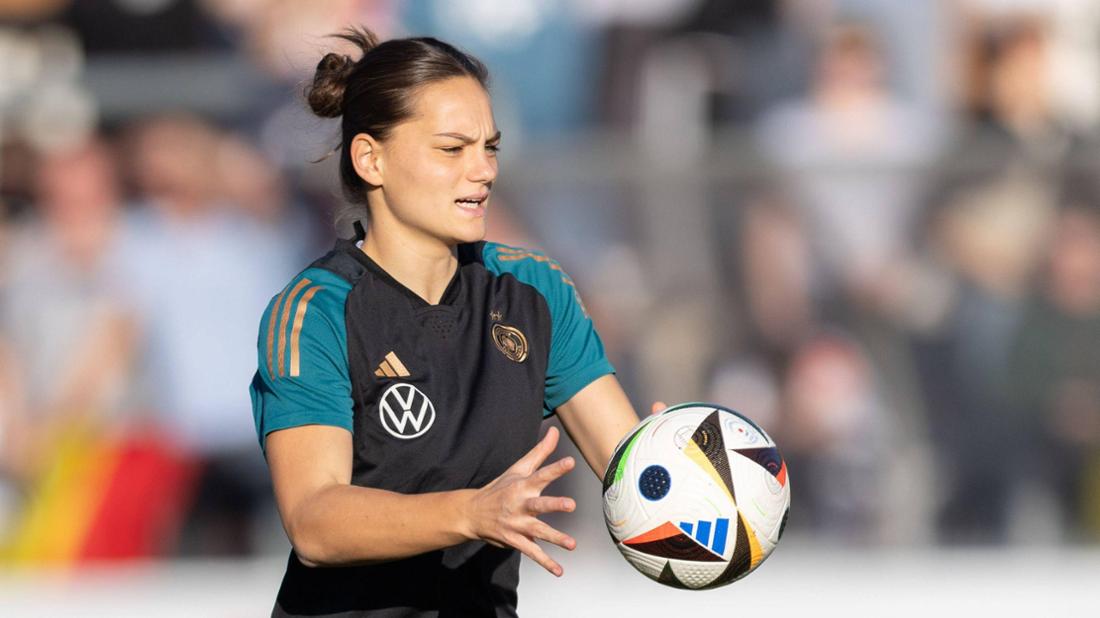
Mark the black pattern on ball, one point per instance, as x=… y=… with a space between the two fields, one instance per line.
x=654 y=482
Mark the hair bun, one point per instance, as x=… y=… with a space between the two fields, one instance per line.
x=326 y=93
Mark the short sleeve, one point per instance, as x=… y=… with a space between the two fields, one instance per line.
x=302 y=376
x=576 y=352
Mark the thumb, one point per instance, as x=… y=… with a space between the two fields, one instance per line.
x=658 y=407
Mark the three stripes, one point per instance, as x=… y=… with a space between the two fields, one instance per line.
x=281 y=313
x=391 y=367
x=702 y=533
x=511 y=254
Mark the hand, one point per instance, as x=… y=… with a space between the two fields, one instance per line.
x=504 y=512
x=658 y=407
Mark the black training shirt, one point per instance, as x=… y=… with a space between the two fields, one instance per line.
x=437 y=397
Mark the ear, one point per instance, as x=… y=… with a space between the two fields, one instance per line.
x=366 y=156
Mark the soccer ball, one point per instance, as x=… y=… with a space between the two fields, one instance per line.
x=697 y=496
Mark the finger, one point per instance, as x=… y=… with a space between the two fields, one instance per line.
x=534 y=552
x=550 y=504
x=534 y=458
x=658 y=406
x=542 y=530
x=549 y=474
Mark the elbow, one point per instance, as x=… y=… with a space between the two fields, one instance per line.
x=316 y=548
x=315 y=553
x=309 y=550
x=308 y=557
x=309 y=544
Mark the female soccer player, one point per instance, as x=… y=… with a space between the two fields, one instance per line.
x=404 y=376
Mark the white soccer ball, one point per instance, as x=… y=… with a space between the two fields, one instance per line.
x=696 y=496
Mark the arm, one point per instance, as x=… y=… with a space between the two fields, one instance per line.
x=596 y=418
x=331 y=522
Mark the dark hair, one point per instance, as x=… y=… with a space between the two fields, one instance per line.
x=377 y=91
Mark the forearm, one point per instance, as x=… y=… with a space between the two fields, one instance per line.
x=596 y=419
x=346 y=524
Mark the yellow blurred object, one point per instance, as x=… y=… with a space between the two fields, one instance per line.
x=63 y=503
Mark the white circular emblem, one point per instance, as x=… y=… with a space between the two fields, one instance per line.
x=405 y=411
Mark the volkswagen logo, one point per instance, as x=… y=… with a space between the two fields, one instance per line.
x=405 y=411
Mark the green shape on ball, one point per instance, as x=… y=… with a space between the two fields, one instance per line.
x=626 y=454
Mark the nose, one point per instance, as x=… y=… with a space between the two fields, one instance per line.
x=483 y=168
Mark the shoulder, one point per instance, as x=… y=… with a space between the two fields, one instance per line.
x=341 y=263
x=527 y=265
x=327 y=280
x=537 y=270
x=319 y=291
x=317 y=286
x=304 y=322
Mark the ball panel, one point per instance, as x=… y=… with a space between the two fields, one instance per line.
x=650 y=566
x=763 y=500
x=695 y=575
x=669 y=578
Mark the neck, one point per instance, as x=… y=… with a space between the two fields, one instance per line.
x=424 y=265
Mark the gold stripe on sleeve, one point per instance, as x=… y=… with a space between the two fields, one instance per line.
x=283 y=322
x=295 y=334
x=271 y=319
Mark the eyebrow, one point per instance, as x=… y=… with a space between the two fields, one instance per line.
x=466 y=139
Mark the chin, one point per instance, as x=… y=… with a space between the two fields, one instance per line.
x=470 y=233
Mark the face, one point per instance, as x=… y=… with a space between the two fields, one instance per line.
x=435 y=171
x=78 y=187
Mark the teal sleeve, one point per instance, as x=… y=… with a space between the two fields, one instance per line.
x=302 y=376
x=576 y=353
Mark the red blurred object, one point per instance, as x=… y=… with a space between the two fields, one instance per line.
x=144 y=501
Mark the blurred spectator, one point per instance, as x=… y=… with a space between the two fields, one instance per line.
x=851 y=152
x=69 y=338
x=66 y=340
x=775 y=261
x=832 y=435
x=199 y=269
x=992 y=211
x=1055 y=367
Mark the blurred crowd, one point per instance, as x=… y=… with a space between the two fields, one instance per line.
x=874 y=227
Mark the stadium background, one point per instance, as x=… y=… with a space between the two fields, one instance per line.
x=872 y=225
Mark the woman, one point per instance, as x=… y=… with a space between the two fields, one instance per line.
x=404 y=376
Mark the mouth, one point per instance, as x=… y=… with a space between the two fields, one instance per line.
x=473 y=203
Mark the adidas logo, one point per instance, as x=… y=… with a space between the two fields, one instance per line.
x=391 y=367
x=702 y=533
